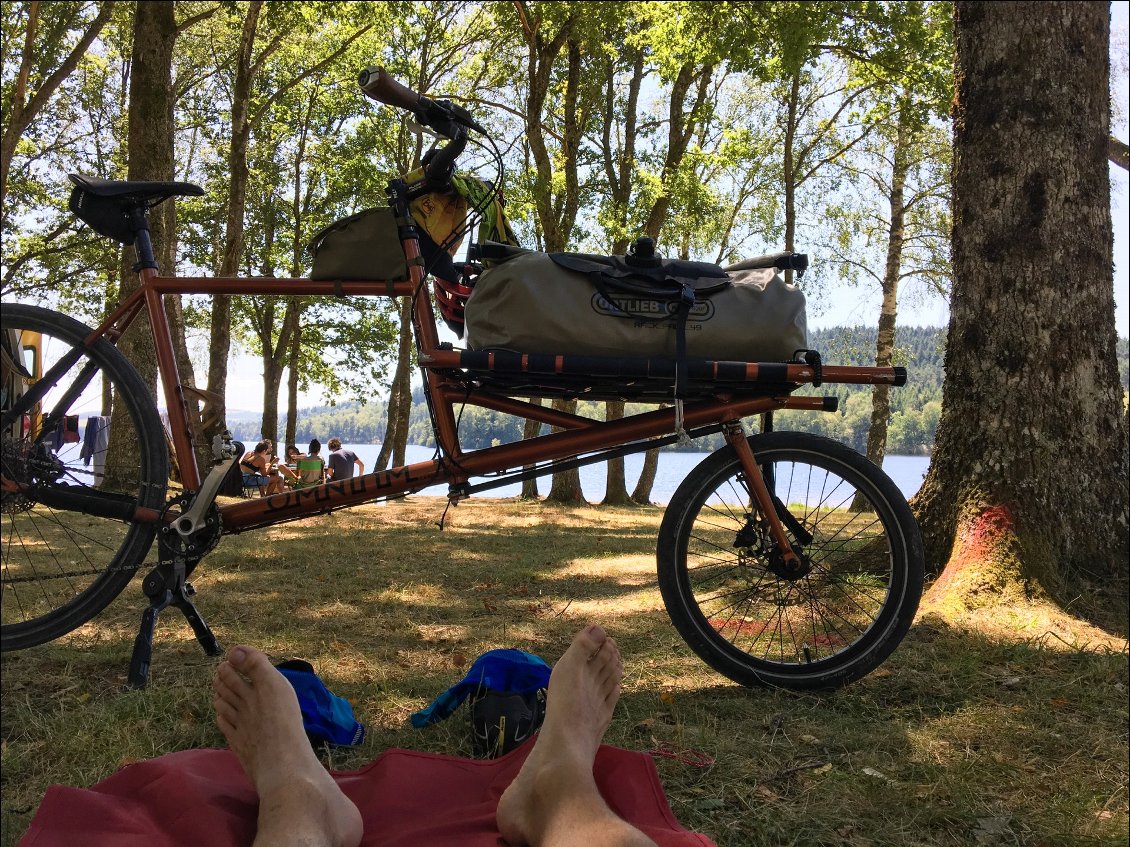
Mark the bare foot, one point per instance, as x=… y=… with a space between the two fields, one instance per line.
x=555 y=784
x=257 y=711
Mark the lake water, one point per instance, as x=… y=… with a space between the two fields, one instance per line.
x=906 y=471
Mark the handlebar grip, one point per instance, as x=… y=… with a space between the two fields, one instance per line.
x=442 y=163
x=377 y=83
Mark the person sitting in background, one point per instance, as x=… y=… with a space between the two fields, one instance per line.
x=311 y=468
x=289 y=468
x=341 y=461
x=256 y=467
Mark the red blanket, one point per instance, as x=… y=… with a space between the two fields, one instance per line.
x=202 y=797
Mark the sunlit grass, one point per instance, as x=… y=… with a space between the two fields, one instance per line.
x=1002 y=727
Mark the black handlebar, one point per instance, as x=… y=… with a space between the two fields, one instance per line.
x=376 y=83
x=443 y=116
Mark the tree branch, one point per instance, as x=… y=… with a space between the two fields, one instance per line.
x=843 y=258
x=1119 y=153
x=280 y=91
x=195 y=19
x=40 y=98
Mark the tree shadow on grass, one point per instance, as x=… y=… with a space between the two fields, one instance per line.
x=960 y=737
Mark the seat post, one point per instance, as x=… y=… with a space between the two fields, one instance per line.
x=142 y=245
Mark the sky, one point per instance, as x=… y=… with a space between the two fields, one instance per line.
x=842 y=306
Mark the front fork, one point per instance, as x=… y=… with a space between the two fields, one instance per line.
x=763 y=499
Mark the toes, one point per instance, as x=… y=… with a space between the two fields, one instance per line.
x=227 y=716
x=590 y=639
x=229 y=684
x=607 y=656
x=613 y=696
x=608 y=677
x=249 y=661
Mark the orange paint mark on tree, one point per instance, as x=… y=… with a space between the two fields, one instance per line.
x=976 y=541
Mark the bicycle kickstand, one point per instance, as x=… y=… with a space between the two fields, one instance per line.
x=166 y=586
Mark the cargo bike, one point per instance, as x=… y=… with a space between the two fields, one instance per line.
x=784 y=559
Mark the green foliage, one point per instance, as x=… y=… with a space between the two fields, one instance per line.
x=318 y=150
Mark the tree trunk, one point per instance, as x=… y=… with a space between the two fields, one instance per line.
x=789 y=168
x=404 y=385
x=556 y=208
x=274 y=365
x=888 y=312
x=1028 y=488
x=566 y=487
x=390 y=422
x=220 y=339
x=398 y=412
x=150 y=145
x=293 y=361
x=641 y=494
x=682 y=122
x=531 y=429
x=615 y=487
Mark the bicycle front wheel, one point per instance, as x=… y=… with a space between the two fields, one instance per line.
x=80 y=496
x=752 y=619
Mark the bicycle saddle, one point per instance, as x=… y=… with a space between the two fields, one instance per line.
x=135 y=190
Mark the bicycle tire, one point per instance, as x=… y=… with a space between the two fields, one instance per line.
x=761 y=626
x=61 y=567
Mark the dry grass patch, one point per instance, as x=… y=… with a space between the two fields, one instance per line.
x=999 y=727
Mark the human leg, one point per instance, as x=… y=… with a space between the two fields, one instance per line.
x=554 y=801
x=299 y=803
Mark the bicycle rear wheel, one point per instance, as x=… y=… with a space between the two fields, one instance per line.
x=743 y=612
x=80 y=498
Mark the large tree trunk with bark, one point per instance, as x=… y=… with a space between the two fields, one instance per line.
x=566 y=487
x=404 y=385
x=1028 y=488
x=615 y=487
x=399 y=410
x=293 y=359
x=150 y=144
x=641 y=494
x=220 y=341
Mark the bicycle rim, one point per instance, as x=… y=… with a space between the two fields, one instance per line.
x=70 y=542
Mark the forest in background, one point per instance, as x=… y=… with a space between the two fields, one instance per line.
x=915 y=408
x=719 y=129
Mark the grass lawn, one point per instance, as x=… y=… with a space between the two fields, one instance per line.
x=1001 y=727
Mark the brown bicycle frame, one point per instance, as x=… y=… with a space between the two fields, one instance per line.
x=578 y=435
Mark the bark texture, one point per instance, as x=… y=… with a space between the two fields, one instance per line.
x=888 y=312
x=1028 y=487
x=531 y=429
x=150 y=145
x=220 y=338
